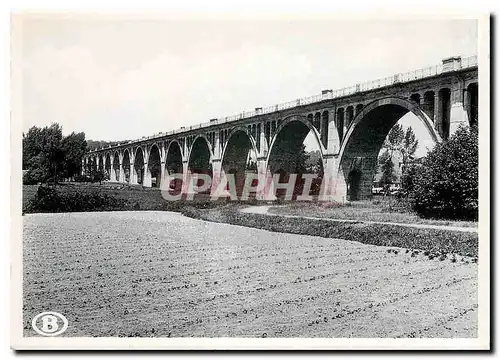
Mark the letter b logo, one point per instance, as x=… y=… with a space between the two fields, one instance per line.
x=50 y=323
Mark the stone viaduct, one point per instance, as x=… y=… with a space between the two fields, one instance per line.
x=349 y=124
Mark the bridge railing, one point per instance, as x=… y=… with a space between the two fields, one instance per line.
x=466 y=62
x=469 y=62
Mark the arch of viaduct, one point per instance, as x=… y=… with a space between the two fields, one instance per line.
x=349 y=125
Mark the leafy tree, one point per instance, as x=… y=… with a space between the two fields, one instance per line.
x=446 y=184
x=48 y=156
x=74 y=147
x=387 y=168
x=409 y=146
x=51 y=156
x=394 y=139
x=402 y=143
x=99 y=176
x=31 y=145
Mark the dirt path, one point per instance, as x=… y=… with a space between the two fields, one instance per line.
x=264 y=210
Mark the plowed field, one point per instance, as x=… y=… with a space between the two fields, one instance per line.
x=162 y=274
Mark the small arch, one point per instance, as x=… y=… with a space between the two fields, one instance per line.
x=444 y=107
x=429 y=104
x=324 y=128
x=472 y=103
x=359 y=107
x=340 y=123
x=349 y=115
x=317 y=121
x=415 y=98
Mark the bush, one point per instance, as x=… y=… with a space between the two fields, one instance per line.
x=446 y=184
x=32 y=177
x=48 y=199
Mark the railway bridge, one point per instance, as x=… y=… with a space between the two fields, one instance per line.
x=349 y=125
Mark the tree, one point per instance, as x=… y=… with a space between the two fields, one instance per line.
x=408 y=147
x=51 y=156
x=387 y=169
x=402 y=143
x=48 y=156
x=31 y=145
x=74 y=147
x=394 y=139
x=446 y=184
x=99 y=176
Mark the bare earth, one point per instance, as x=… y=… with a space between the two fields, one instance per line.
x=162 y=274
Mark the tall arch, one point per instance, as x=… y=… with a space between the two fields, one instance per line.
x=364 y=139
x=239 y=156
x=126 y=166
x=101 y=162
x=154 y=165
x=200 y=156
x=284 y=156
x=173 y=164
x=116 y=166
x=107 y=165
x=139 y=165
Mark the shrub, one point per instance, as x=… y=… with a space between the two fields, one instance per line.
x=32 y=177
x=48 y=199
x=446 y=184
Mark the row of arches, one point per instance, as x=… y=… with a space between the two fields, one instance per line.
x=366 y=126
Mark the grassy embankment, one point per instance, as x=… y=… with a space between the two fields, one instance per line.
x=432 y=242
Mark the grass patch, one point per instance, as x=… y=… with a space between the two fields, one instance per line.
x=436 y=242
x=380 y=210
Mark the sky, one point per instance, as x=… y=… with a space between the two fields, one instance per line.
x=118 y=78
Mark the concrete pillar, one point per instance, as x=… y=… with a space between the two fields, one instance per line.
x=133 y=174
x=458 y=112
x=264 y=146
x=112 y=175
x=216 y=174
x=217 y=146
x=163 y=178
x=185 y=176
x=333 y=187
x=266 y=185
x=333 y=142
x=437 y=112
x=147 y=176
x=121 y=175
